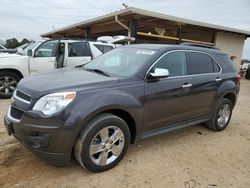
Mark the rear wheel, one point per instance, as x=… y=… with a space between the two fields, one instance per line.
x=103 y=143
x=8 y=84
x=221 y=116
x=247 y=76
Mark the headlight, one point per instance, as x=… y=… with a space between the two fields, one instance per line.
x=52 y=103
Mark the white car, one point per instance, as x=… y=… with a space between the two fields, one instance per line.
x=2 y=47
x=5 y=50
x=49 y=55
x=245 y=66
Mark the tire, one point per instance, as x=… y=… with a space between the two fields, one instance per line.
x=247 y=76
x=93 y=136
x=213 y=123
x=8 y=83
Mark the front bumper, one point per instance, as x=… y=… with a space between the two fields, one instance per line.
x=49 y=142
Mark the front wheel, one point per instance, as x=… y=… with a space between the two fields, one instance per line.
x=8 y=84
x=103 y=143
x=221 y=116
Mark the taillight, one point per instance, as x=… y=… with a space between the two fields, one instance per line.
x=238 y=77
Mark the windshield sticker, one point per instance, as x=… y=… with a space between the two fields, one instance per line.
x=145 y=52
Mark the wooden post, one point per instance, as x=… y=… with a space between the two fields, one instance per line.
x=133 y=28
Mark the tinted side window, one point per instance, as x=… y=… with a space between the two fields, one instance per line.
x=78 y=49
x=216 y=67
x=107 y=48
x=201 y=63
x=47 y=49
x=229 y=64
x=175 y=62
x=103 y=48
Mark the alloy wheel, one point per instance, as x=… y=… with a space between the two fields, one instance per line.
x=107 y=145
x=7 y=85
x=224 y=115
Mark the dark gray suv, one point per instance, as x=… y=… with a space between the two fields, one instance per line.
x=127 y=94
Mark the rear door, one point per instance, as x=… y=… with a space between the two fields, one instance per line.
x=78 y=54
x=205 y=79
x=168 y=100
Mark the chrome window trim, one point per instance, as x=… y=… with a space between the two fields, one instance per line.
x=196 y=51
x=190 y=75
x=20 y=99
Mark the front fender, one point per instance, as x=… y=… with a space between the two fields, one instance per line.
x=88 y=105
x=19 y=63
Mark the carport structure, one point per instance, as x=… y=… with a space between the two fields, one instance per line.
x=147 y=26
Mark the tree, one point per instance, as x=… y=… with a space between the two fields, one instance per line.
x=11 y=43
x=24 y=41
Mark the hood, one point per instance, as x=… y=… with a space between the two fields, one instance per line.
x=7 y=55
x=64 y=80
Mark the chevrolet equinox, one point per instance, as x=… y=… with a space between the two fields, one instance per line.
x=130 y=93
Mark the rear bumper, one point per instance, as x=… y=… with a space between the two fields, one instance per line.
x=41 y=140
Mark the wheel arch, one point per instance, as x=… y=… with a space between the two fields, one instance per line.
x=128 y=118
x=121 y=113
x=13 y=70
x=231 y=96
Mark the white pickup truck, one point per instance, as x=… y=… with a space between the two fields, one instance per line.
x=49 y=55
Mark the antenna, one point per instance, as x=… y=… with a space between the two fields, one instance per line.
x=53 y=27
x=125 y=5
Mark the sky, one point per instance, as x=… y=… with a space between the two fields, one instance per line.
x=29 y=19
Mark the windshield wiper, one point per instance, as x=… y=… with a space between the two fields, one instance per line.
x=99 y=71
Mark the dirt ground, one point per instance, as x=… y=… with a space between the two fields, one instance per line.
x=191 y=157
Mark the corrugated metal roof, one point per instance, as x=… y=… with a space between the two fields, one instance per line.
x=151 y=14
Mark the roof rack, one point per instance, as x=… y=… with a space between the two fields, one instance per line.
x=55 y=38
x=199 y=45
x=80 y=39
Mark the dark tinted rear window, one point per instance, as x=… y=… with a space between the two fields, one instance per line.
x=103 y=48
x=229 y=65
x=77 y=49
x=201 y=63
x=216 y=67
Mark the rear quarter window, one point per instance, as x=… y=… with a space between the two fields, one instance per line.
x=103 y=48
x=228 y=64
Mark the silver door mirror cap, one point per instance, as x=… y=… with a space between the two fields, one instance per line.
x=160 y=73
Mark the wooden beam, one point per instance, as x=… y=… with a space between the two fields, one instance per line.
x=173 y=38
x=163 y=25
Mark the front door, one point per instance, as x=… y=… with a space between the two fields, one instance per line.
x=168 y=100
x=44 y=58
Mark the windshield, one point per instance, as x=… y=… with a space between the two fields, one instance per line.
x=31 y=45
x=121 y=62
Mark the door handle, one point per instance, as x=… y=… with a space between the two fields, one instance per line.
x=187 y=85
x=218 y=79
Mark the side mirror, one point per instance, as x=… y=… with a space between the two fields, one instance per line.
x=160 y=73
x=29 y=52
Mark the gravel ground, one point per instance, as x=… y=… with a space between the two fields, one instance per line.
x=191 y=157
